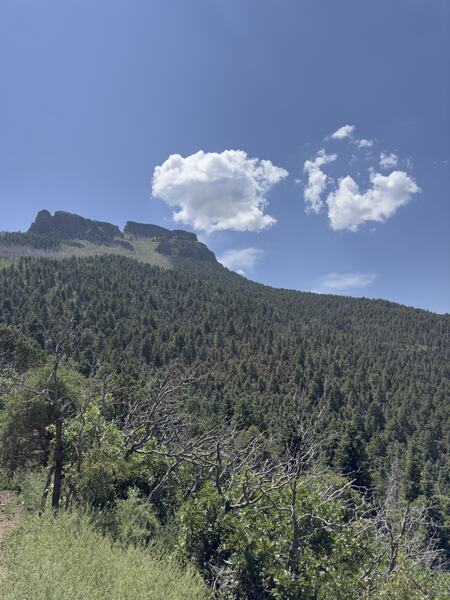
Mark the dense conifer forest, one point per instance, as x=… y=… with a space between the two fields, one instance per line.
x=283 y=444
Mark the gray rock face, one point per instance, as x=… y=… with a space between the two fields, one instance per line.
x=144 y=230
x=155 y=231
x=172 y=243
x=66 y=225
x=185 y=248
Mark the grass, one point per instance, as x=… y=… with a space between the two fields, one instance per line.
x=64 y=558
x=144 y=251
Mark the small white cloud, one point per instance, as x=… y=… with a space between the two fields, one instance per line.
x=317 y=180
x=216 y=191
x=333 y=282
x=364 y=143
x=343 y=132
x=388 y=161
x=241 y=260
x=348 y=208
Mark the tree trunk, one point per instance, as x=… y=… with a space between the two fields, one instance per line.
x=58 y=464
x=45 y=492
x=294 y=549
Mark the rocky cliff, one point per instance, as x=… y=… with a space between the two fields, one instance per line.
x=65 y=227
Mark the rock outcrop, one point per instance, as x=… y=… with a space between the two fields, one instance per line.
x=175 y=242
x=65 y=225
x=68 y=227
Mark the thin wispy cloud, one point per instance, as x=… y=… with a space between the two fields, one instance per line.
x=388 y=161
x=218 y=191
x=364 y=143
x=340 y=282
x=343 y=132
x=241 y=260
x=346 y=133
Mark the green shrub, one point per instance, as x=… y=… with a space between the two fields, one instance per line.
x=134 y=520
x=30 y=487
x=64 y=558
x=413 y=584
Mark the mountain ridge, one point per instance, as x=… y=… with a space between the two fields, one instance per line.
x=65 y=233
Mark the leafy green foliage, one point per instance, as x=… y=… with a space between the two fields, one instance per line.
x=133 y=520
x=29 y=484
x=16 y=349
x=264 y=357
x=249 y=551
x=25 y=422
x=412 y=584
x=259 y=346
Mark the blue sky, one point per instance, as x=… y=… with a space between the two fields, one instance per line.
x=95 y=95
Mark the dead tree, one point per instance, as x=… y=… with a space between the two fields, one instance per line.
x=402 y=529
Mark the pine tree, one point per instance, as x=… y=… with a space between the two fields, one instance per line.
x=412 y=473
x=350 y=457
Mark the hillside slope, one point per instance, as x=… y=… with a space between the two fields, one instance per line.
x=65 y=234
x=381 y=368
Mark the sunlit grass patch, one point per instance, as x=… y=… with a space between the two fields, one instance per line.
x=64 y=558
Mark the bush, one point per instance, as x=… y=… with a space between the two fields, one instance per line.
x=413 y=584
x=30 y=487
x=64 y=558
x=134 y=520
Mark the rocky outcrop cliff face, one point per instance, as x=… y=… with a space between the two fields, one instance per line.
x=175 y=242
x=65 y=225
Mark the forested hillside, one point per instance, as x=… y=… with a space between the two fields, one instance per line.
x=381 y=368
x=365 y=383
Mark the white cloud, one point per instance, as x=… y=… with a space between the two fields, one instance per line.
x=345 y=281
x=343 y=132
x=348 y=208
x=365 y=143
x=317 y=180
x=241 y=260
x=212 y=191
x=388 y=161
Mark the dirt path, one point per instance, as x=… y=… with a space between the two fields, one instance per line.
x=9 y=514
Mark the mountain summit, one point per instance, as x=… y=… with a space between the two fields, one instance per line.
x=65 y=233
x=66 y=225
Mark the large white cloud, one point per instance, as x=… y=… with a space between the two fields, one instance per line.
x=343 y=132
x=212 y=191
x=241 y=260
x=348 y=208
x=317 y=180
